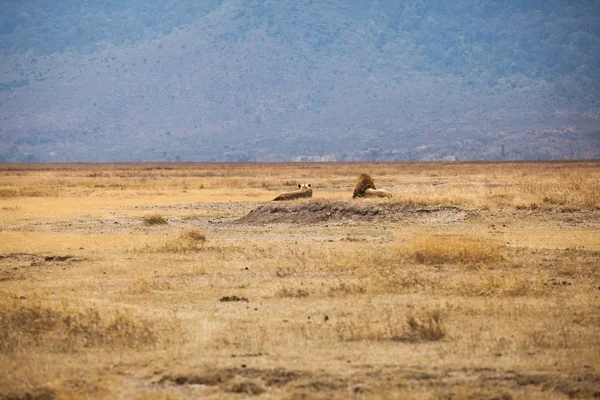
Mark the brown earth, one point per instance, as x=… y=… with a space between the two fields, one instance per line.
x=492 y=383
x=320 y=212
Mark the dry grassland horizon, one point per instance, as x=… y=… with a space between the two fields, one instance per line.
x=176 y=281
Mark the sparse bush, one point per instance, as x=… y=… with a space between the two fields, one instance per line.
x=346 y=289
x=154 y=219
x=194 y=235
x=427 y=328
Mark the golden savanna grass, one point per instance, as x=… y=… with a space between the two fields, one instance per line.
x=34 y=323
x=136 y=281
x=456 y=250
x=190 y=239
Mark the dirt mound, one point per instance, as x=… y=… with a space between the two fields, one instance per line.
x=319 y=211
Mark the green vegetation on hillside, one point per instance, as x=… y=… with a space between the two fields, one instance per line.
x=535 y=38
x=276 y=81
x=46 y=27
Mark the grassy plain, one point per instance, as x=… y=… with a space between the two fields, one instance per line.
x=137 y=281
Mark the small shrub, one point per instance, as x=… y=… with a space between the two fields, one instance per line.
x=431 y=328
x=154 y=219
x=189 y=240
x=427 y=328
x=194 y=235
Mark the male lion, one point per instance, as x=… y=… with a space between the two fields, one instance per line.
x=365 y=187
x=304 y=190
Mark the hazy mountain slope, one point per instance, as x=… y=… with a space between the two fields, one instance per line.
x=238 y=80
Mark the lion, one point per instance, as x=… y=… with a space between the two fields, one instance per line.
x=365 y=187
x=304 y=190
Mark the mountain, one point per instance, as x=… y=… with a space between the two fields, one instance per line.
x=311 y=80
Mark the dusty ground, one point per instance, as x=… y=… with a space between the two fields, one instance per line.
x=472 y=281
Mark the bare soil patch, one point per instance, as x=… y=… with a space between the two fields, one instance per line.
x=13 y=265
x=271 y=377
x=319 y=211
x=499 y=383
x=35 y=260
x=216 y=206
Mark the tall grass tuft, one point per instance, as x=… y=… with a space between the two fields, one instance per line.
x=154 y=219
x=427 y=328
x=456 y=250
x=190 y=239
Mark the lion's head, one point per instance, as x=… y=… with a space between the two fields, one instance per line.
x=363 y=183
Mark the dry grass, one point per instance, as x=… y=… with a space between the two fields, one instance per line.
x=547 y=185
x=377 y=325
x=293 y=292
x=190 y=239
x=500 y=283
x=30 y=323
x=429 y=327
x=456 y=250
x=387 y=325
x=486 y=283
x=344 y=288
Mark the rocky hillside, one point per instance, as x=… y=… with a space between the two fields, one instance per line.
x=288 y=80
